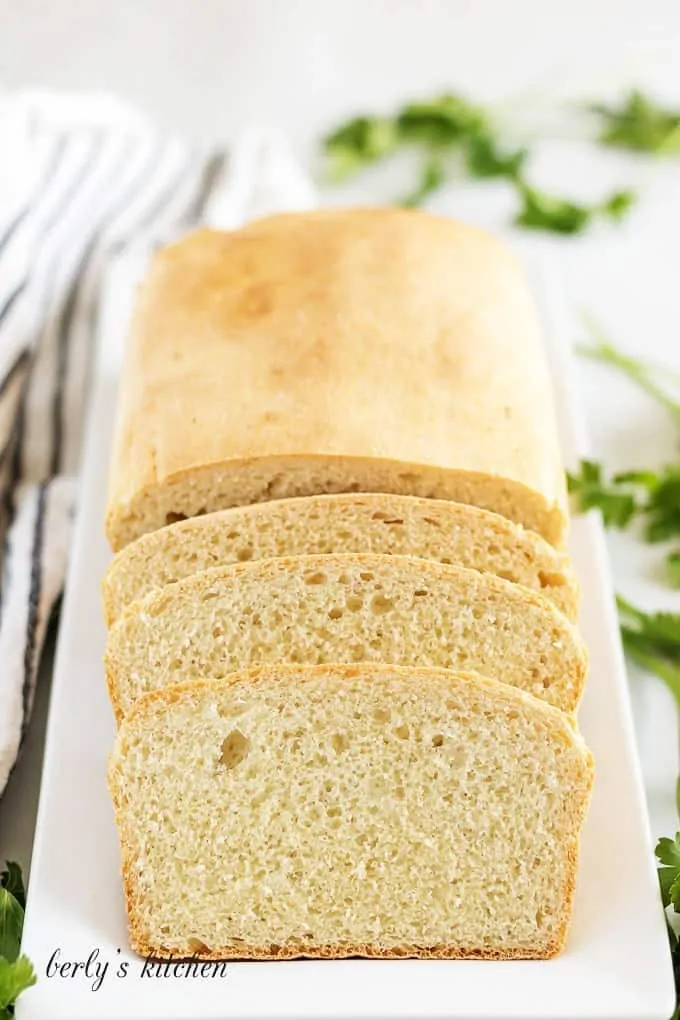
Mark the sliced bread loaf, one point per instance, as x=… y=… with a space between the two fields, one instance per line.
x=341 y=350
x=335 y=811
x=344 y=608
x=374 y=523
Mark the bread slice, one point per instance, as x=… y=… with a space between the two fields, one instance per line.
x=375 y=523
x=333 y=811
x=344 y=608
x=346 y=350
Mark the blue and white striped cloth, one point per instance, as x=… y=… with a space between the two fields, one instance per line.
x=80 y=179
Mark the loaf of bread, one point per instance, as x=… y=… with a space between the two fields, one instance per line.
x=333 y=811
x=344 y=608
x=373 y=523
x=365 y=350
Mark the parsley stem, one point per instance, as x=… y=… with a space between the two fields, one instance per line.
x=638 y=371
x=666 y=672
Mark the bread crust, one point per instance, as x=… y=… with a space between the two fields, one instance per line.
x=150 y=705
x=131 y=576
x=303 y=354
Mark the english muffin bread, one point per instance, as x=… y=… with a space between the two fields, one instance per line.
x=348 y=350
x=374 y=523
x=334 y=811
x=344 y=608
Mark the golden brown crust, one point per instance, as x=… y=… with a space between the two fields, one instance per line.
x=231 y=395
x=151 y=705
x=145 y=564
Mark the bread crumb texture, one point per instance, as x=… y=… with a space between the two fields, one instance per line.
x=356 y=810
x=441 y=530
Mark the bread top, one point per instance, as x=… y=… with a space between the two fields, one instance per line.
x=386 y=335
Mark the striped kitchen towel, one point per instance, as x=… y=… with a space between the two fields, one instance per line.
x=81 y=178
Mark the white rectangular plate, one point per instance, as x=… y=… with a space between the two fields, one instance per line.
x=616 y=964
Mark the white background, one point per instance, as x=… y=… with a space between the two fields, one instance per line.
x=208 y=68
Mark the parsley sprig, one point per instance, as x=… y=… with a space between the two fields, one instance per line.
x=640 y=124
x=653 y=497
x=16 y=971
x=667 y=852
x=453 y=134
x=653 y=641
x=650 y=639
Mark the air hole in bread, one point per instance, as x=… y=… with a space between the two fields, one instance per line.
x=235 y=748
x=382 y=715
x=402 y=732
x=157 y=607
x=354 y=603
x=229 y=711
x=197 y=948
x=339 y=743
x=244 y=554
x=437 y=740
x=365 y=576
x=357 y=653
x=493 y=550
x=335 y=613
x=445 y=559
x=421 y=591
x=432 y=521
x=344 y=579
x=173 y=518
x=548 y=580
x=478 y=612
x=507 y=575
x=380 y=604
x=317 y=577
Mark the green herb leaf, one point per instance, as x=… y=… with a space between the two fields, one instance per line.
x=431 y=179
x=618 y=204
x=667 y=876
x=673 y=569
x=11 y=923
x=542 y=211
x=484 y=158
x=357 y=144
x=662 y=509
x=442 y=121
x=590 y=491
x=667 y=851
x=15 y=978
x=11 y=880
x=653 y=641
x=641 y=124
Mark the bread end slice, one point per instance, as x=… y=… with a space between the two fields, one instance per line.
x=336 y=811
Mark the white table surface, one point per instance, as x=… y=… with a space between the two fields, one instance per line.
x=210 y=67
